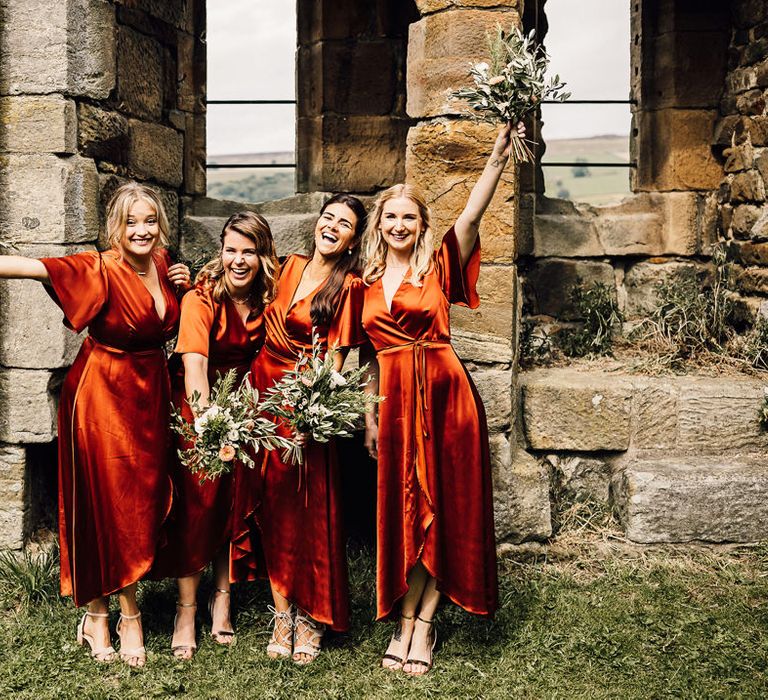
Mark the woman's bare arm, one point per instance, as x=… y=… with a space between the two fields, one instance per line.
x=19 y=267
x=196 y=377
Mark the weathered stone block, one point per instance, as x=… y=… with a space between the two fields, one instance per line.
x=580 y=479
x=744 y=218
x=37 y=125
x=357 y=153
x=748 y=187
x=521 y=493
x=482 y=348
x=753 y=280
x=679 y=500
x=549 y=284
x=568 y=411
x=674 y=150
x=642 y=280
x=441 y=48
x=156 y=152
x=720 y=416
x=445 y=158
x=33 y=335
x=62 y=47
x=495 y=389
x=12 y=507
x=496 y=320
x=195 y=176
x=429 y=6
x=27 y=406
x=754 y=253
x=139 y=75
x=738 y=158
x=47 y=199
x=759 y=230
x=102 y=134
x=191 y=74
x=654 y=414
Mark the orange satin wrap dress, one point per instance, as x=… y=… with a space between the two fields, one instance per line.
x=200 y=521
x=434 y=473
x=288 y=519
x=114 y=488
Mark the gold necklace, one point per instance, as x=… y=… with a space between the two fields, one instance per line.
x=140 y=273
x=239 y=302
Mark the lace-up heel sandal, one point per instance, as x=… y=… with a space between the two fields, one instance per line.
x=184 y=652
x=397 y=638
x=420 y=664
x=307 y=638
x=133 y=657
x=281 y=642
x=103 y=655
x=224 y=637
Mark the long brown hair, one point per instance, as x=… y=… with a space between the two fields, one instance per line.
x=254 y=227
x=323 y=304
x=375 y=254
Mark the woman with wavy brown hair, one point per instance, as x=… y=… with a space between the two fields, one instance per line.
x=287 y=517
x=221 y=328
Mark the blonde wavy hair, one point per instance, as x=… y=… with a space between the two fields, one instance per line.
x=120 y=204
x=375 y=247
x=254 y=227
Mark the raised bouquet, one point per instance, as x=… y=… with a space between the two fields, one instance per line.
x=229 y=428
x=511 y=84
x=315 y=399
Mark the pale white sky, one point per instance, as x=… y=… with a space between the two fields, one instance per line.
x=251 y=54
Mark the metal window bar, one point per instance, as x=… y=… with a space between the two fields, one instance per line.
x=254 y=166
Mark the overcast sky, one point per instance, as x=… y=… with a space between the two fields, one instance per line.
x=251 y=51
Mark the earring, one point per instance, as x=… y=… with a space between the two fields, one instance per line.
x=349 y=251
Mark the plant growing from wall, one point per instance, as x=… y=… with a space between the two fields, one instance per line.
x=597 y=306
x=763 y=415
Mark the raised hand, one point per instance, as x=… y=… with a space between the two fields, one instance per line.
x=180 y=276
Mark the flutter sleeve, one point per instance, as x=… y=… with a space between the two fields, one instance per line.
x=459 y=282
x=197 y=316
x=79 y=285
x=346 y=330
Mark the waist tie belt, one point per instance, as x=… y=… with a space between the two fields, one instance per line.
x=290 y=359
x=94 y=342
x=421 y=405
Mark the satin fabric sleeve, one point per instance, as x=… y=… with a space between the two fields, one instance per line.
x=79 y=285
x=346 y=329
x=197 y=316
x=459 y=283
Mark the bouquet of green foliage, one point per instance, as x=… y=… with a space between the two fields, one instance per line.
x=315 y=399
x=224 y=430
x=511 y=83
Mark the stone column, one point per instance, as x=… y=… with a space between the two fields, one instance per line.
x=445 y=154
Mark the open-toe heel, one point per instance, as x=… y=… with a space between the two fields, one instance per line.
x=281 y=642
x=184 y=652
x=224 y=637
x=397 y=636
x=137 y=656
x=425 y=664
x=103 y=655
x=307 y=637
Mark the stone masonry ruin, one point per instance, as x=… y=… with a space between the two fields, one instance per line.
x=93 y=92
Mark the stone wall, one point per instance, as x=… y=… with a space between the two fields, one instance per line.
x=742 y=139
x=445 y=155
x=678 y=65
x=92 y=92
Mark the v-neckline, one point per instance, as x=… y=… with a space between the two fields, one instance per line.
x=314 y=290
x=243 y=324
x=394 y=294
x=146 y=289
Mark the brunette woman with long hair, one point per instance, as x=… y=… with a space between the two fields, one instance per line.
x=287 y=522
x=221 y=328
x=435 y=511
x=114 y=490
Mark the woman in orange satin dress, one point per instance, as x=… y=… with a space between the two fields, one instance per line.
x=222 y=328
x=287 y=517
x=114 y=488
x=435 y=509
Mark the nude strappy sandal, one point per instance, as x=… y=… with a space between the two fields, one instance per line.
x=128 y=655
x=183 y=652
x=103 y=655
x=282 y=624
x=217 y=634
x=312 y=632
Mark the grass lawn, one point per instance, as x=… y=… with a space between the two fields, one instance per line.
x=591 y=618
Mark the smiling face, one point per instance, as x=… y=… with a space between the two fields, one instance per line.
x=240 y=260
x=141 y=232
x=400 y=224
x=335 y=230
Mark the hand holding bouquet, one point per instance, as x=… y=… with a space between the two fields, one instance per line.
x=315 y=399
x=511 y=84
x=222 y=431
